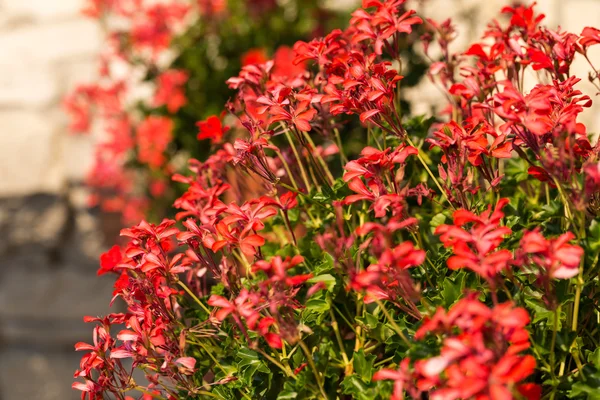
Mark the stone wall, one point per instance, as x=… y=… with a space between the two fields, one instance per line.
x=50 y=240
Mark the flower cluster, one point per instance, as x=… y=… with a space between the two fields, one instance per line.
x=144 y=102
x=332 y=247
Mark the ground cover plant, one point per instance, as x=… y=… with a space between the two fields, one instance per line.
x=445 y=257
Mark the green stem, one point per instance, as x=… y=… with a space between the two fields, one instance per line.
x=437 y=183
x=312 y=365
x=298 y=159
x=193 y=296
x=335 y=326
x=397 y=329
x=287 y=371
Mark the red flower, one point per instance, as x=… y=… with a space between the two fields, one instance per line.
x=170 y=90
x=556 y=257
x=285 y=70
x=254 y=56
x=590 y=36
x=477 y=248
x=300 y=115
x=153 y=137
x=212 y=128
x=109 y=260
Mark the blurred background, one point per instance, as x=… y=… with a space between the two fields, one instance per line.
x=50 y=237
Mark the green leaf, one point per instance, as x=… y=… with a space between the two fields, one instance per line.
x=249 y=364
x=317 y=305
x=594 y=358
x=594 y=236
x=363 y=365
x=328 y=279
x=287 y=394
x=436 y=221
x=452 y=289
x=541 y=313
x=325 y=265
x=354 y=386
x=591 y=390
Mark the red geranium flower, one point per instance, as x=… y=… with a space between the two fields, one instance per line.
x=109 y=260
x=212 y=128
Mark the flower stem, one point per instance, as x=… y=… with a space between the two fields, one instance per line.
x=299 y=160
x=193 y=296
x=312 y=365
x=397 y=329
x=437 y=183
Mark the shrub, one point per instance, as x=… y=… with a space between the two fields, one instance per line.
x=443 y=258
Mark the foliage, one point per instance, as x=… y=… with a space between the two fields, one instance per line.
x=446 y=258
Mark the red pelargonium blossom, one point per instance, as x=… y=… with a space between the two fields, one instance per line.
x=362 y=86
x=555 y=258
x=403 y=380
x=382 y=171
x=171 y=91
x=276 y=270
x=479 y=357
x=389 y=279
x=383 y=23
x=254 y=56
x=211 y=8
x=98 y=8
x=375 y=163
x=78 y=106
x=109 y=260
x=155 y=29
x=238 y=227
x=476 y=248
x=212 y=128
x=153 y=137
x=298 y=116
x=285 y=68
x=590 y=36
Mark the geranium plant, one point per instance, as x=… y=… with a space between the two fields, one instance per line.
x=450 y=257
x=162 y=70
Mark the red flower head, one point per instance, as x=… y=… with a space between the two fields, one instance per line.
x=109 y=260
x=254 y=56
x=212 y=128
x=556 y=257
x=589 y=36
x=153 y=137
x=171 y=91
x=477 y=247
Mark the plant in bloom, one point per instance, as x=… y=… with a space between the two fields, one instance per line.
x=332 y=247
x=157 y=54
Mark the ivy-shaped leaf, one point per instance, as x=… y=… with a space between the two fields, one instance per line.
x=363 y=365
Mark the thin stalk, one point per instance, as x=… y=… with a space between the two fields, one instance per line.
x=580 y=282
x=312 y=365
x=552 y=350
x=437 y=183
x=338 y=139
x=193 y=296
x=397 y=329
x=288 y=170
x=320 y=159
x=289 y=226
x=335 y=326
x=287 y=371
x=300 y=164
